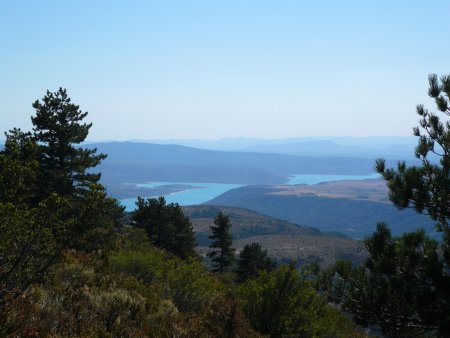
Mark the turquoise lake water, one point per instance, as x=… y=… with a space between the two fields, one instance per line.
x=314 y=179
x=203 y=192
x=198 y=194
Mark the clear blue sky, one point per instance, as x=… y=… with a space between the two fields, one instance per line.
x=212 y=69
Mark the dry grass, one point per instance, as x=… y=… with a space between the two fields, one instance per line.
x=373 y=190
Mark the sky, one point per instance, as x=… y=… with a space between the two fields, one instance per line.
x=212 y=69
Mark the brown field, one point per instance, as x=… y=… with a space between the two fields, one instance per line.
x=374 y=190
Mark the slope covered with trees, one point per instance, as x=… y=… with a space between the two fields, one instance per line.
x=354 y=217
x=284 y=241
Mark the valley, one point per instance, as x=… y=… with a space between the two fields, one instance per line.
x=284 y=241
x=352 y=203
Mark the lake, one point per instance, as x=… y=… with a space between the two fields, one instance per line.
x=198 y=194
x=314 y=179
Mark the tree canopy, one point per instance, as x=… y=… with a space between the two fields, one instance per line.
x=252 y=260
x=426 y=188
x=48 y=200
x=166 y=225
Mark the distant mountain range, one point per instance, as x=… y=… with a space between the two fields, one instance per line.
x=360 y=147
x=130 y=162
x=329 y=148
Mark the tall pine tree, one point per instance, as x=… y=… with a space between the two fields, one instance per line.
x=222 y=254
x=58 y=129
x=48 y=201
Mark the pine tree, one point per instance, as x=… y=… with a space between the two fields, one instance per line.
x=182 y=241
x=252 y=260
x=222 y=254
x=166 y=225
x=58 y=128
x=151 y=215
x=426 y=188
x=48 y=202
x=18 y=168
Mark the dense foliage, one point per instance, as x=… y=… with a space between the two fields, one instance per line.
x=252 y=260
x=48 y=201
x=57 y=128
x=283 y=304
x=166 y=225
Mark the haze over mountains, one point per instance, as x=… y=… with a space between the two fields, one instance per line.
x=361 y=147
x=133 y=162
x=263 y=167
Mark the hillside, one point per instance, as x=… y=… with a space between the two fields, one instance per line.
x=148 y=154
x=341 y=207
x=283 y=240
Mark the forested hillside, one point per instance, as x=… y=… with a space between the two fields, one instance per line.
x=354 y=216
x=283 y=240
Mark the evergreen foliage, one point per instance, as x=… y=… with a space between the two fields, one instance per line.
x=57 y=129
x=19 y=169
x=222 y=254
x=252 y=260
x=404 y=286
x=401 y=288
x=426 y=188
x=43 y=207
x=282 y=304
x=166 y=225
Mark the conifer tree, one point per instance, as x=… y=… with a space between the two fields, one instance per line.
x=426 y=188
x=48 y=202
x=151 y=215
x=182 y=241
x=58 y=128
x=222 y=254
x=166 y=225
x=252 y=260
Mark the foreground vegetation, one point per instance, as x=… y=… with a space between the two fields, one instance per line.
x=71 y=265
x=137 y=290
